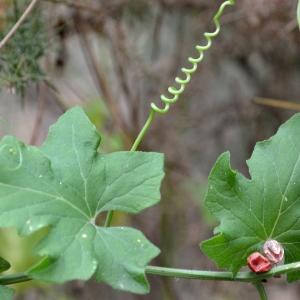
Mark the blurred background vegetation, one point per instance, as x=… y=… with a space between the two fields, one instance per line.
x=114 y=57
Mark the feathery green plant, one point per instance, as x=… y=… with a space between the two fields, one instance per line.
x=20 y=58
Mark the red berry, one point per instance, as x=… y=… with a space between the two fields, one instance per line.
x=258 y=263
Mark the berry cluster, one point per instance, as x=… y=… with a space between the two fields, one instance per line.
x=273 y=253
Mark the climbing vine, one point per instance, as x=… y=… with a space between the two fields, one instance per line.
x=66 y=184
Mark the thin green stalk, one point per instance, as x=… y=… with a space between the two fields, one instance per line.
x=222 y=276
x=261 y=290
x=190 y=274
x=143 y=131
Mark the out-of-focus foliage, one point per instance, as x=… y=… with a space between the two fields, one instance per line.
x=18 y=250
x=20 y=58
x=298 y=13
x=100 y=116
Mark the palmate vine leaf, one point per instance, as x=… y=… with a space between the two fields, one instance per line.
x=66 y=184
x=6 y=293
x=266 y=206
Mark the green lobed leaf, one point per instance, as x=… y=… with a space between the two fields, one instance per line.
x=67 y=184
x=267 y=206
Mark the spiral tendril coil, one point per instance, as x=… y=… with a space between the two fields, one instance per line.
x=182 y=82
x=174 y=92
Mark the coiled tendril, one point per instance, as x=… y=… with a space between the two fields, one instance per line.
x=176 y=92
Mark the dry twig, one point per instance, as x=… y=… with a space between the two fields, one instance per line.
x=19 y=23
x=278 y=103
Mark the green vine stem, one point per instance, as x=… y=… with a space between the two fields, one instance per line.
x=222 y=276
x=174 y=92
x=249 y=277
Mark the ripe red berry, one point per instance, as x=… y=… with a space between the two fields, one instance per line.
x=273 y=251
x=258 y=263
